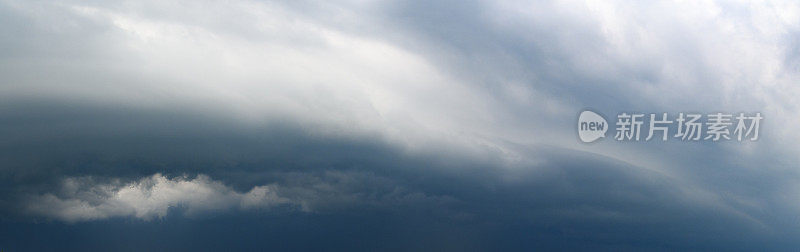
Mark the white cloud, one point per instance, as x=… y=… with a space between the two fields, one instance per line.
x=85 y=198
x=148 y=198
x=257 y=62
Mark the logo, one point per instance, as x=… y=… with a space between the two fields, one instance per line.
x=682 y=126
x=591 y=126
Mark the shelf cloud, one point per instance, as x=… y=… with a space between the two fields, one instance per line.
x=448 y=125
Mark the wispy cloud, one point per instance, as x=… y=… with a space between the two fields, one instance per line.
x=148 y=198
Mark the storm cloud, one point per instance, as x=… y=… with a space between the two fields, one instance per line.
x=391 y=125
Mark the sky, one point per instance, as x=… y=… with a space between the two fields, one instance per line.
x=392 y=125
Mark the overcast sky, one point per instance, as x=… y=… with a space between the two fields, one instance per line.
x=392 y=125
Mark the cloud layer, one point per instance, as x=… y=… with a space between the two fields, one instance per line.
x=429 y=118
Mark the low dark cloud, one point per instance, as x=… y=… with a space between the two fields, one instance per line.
x=327 y=187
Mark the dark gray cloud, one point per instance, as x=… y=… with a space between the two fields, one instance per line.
x=572 y=198
x=390 y=125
